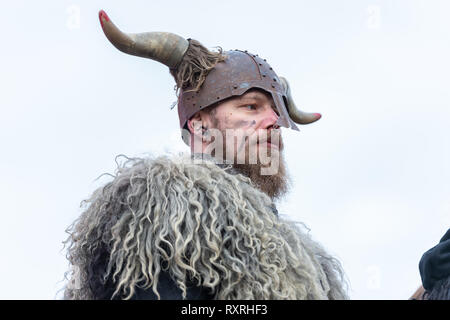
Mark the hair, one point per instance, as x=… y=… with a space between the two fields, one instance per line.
x=440 y=291
x=191 y=72
x=199 y=224
x=212 y=111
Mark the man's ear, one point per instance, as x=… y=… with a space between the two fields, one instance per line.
x=195 y=124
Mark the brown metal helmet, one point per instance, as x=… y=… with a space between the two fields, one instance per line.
x=238 y=73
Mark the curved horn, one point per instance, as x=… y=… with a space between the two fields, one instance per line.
x=165 y=47
x=296 y=114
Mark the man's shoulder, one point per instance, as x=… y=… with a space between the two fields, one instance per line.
x=181 y=165
x=183 y=172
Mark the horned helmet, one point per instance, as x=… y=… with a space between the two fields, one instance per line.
x=228 y=74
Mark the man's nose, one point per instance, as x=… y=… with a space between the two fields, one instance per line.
x=270 y=118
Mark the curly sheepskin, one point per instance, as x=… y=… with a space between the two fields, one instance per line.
x=201 y=224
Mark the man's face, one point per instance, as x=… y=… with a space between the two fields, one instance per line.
x=247 y=126
x=252 y=117
x=242 y=131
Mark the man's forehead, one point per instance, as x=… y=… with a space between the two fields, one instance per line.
x=255 y=94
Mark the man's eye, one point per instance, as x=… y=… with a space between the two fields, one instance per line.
x=250 y=107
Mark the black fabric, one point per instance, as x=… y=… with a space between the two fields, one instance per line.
x=102 y=289
x=440 y=291
x=168 y=290
x=435 y=263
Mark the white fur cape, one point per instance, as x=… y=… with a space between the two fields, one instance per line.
x=203 y=225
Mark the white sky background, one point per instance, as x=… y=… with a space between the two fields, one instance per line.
x=371 y=178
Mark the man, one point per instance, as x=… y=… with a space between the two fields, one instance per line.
x=203 y=227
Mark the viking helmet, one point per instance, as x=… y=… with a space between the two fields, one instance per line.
x=238 y=73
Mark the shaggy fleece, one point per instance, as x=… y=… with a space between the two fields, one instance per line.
x=200 y=223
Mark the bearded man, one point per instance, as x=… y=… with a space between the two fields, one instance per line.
x=203 y=226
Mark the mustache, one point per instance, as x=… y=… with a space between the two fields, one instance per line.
x=240 y=139
x=273 y=137
x=258 y=137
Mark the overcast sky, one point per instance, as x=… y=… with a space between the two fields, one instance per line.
x=371 y=178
